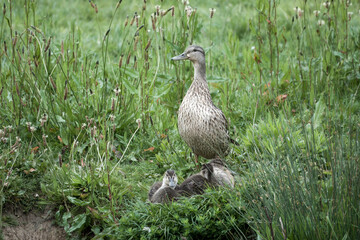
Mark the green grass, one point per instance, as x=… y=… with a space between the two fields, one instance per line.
x=88 y=113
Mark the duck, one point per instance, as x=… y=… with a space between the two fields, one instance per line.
x=164 y=191
x=221 y=173
x=201 y=124
x=197 y=183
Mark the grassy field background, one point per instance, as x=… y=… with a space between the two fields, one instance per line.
x=88 y=113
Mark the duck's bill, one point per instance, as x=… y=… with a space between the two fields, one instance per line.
x=172 y=183
x=180 y=57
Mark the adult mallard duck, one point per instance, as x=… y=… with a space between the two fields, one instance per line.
x=201 y=124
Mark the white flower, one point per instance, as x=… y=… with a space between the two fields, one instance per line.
x=117 y=90
x=188 y=11
x=32 y=129
x=253 y=48
x=185 y=2
x=298 y=11
x=321 y=22
x=326 y=4
x=147 y=229
x=316 y=13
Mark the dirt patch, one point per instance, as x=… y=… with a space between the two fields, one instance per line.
x=37 y=224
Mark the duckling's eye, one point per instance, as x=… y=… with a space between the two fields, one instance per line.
x=196 y=50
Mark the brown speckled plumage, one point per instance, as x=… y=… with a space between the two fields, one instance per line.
x=201 y=124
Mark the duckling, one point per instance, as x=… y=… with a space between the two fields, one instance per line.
x=197 y=183
x=169 y=180
x=165 y=195
x=201 y=124
x=221 y=173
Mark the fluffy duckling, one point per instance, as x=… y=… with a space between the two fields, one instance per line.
x=197 y=183
x=201 y=124
x=221 y=173
x=164 y=191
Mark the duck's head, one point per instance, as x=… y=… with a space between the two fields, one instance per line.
x=193 y=53
x=170 y=179
x=207 y=171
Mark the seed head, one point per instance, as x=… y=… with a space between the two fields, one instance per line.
x=299 y=12
x=316 y=13
x=10 y=128
x=157 y=7
x=138 y=121
x=326 y=4
x=117 y=91
x=185 y=2
x=321 y=23
x=112 y=117
x=212 y=11
x=188 y=11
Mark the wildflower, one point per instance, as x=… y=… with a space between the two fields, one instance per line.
x=138 y=121
x=112 y=117
x=113 y=101
x=36 y=195
x=298 y=11
x=188 y=11
x=117 y=91
x=44 y=139
x=83 y=126
x=32 y=129
x=28 y=125
x=10 y=128
x=147 y=229
x=316 y=13
x=75 y=143
x=4 y=139
x=326 y=4
x=212 y=11
x=157 y=7
x=349 y=14
x=127 y=20
x=137 y=20
x=2 y=133
x=43 y=120
x=321 y=22
x=185 y=2
x=253 y=48
x=93 y=131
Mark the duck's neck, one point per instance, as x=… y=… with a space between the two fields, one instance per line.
x=199 y=71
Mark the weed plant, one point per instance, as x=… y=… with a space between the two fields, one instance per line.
x=88 y=103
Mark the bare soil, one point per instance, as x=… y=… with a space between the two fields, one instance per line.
x=36 y=224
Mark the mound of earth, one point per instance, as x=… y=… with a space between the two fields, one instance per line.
x=36 y=224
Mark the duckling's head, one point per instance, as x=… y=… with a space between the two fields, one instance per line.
x=207 y=171
x=193 y=53
x=170 y=179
